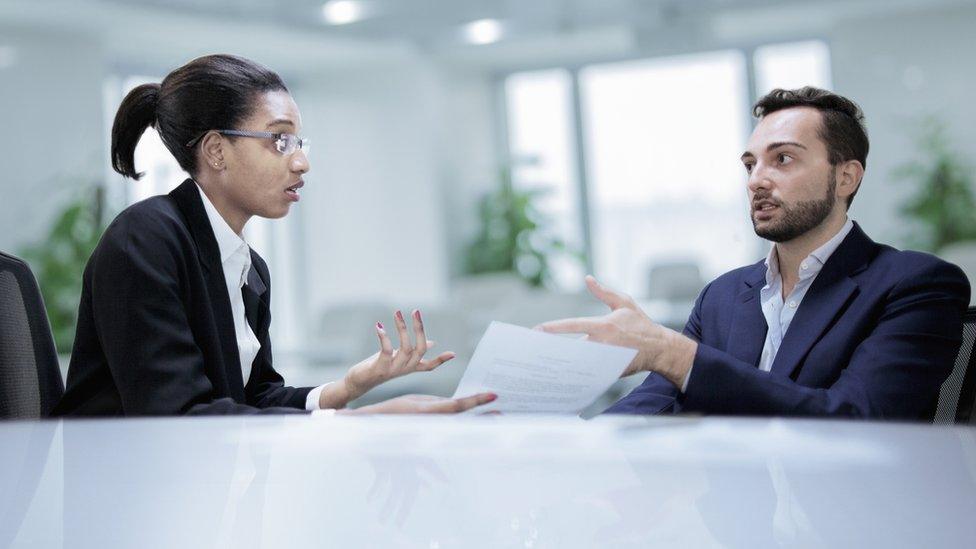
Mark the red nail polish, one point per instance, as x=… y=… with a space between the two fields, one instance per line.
x=399 y=315
x=379 y=325
x=492 y=397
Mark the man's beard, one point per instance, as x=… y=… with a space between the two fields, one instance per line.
x=799 y=218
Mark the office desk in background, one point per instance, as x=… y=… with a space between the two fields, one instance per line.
x=528 y=482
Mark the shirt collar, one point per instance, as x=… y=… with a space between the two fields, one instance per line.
x=821 y=254
x=229 y=242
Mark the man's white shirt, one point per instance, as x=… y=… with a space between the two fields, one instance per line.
x=779 y=312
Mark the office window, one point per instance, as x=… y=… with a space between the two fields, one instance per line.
x=792 y=65
x=540 y=137
x=662 y=139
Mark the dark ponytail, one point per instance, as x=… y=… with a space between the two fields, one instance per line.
x=137 y=112
x=214 y=92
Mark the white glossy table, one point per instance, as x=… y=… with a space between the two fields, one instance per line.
x=525 y=482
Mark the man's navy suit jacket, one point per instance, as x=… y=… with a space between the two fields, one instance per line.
x=875 y=337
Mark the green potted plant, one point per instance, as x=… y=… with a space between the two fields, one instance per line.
x=514 y=235
x=59 y=261
x=943 y=203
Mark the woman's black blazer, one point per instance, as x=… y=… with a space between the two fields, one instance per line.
x=155 y=329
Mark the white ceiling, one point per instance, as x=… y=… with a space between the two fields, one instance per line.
x=295 y=36
x=423 y=21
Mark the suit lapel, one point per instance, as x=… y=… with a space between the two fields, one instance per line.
x=254 y=299
x=256 y=308
x=747 y=331
x=824 y=302
x=187 y=197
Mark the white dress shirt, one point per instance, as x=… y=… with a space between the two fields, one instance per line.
x=235 y=258
x=779 y=312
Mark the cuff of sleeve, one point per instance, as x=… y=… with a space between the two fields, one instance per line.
x=684 y=384
x=324 y=412
x=312 y=400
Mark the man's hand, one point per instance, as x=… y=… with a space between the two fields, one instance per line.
x=659 y=349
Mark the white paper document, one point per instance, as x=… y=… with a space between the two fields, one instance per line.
x=533 y=371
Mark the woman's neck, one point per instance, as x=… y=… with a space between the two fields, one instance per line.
x=234 y=216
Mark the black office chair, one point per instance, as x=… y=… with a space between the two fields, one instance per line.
x=958 y=394
x=30 y=379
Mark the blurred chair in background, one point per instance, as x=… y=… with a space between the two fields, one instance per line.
x=345 y=333
x=485 y=291
x=451 y=329
x=675 y=281
x=672 y=288
x=345 y=336
x=30 y=380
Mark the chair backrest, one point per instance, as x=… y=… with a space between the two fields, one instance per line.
x=962 y=254
x=675 y=281
x=958 y=394
x=30 y=379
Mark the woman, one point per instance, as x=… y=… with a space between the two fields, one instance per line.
x=175 y=307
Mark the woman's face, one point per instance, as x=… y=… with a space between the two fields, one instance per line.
x=261 y=180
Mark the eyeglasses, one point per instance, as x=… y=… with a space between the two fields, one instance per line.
x=285 y=143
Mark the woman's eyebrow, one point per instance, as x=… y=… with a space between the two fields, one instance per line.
x=279 y=122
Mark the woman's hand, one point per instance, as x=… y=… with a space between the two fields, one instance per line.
x=385 y=365
x=424 y=404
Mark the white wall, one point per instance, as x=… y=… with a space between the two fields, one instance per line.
x=52 y=137
x=397 y=150
x=469 y=158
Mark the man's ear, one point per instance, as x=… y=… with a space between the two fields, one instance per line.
x=849 y=175
x=213 y=152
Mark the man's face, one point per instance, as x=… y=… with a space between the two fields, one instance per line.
x=792 y=186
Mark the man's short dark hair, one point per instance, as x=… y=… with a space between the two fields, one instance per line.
x=842 y=128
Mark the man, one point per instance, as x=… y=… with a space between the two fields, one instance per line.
x=829 y=324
